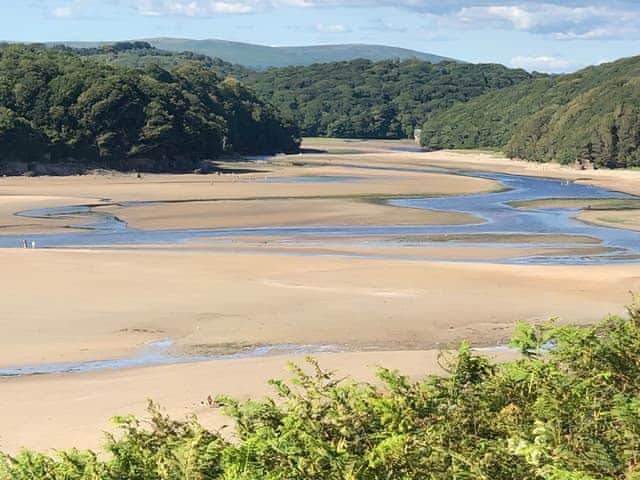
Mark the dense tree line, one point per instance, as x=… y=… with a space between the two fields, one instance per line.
x=365 y=99
x=141 y=54
x=571 y=412
x=57 y=106
x=130 y=105
x=358 y=98
x=592 y=116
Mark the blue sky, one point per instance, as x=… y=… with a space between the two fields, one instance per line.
x=549 y=35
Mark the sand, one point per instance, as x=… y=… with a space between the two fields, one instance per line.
x=65 y=411
x=409 y=247
x=382 y=153
x=628 y=219
x=281 y=213
x=331 y=201
x=81 y=305
x=78 y=305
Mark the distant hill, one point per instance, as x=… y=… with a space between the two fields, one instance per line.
x=591 y=116
x=262 y=56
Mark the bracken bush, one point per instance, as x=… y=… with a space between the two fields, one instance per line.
x=567 y=409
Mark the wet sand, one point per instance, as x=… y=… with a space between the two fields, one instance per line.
x=629 y=219
x=409 y=247
x=604 y=212
x=255 y=201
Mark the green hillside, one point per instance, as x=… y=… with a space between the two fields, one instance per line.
x=592 y=116
x=57 y=107
x=365 y=99
x=262 y=56
x=358 y=98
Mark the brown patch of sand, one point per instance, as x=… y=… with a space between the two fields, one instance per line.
x=87 y=305
x=280 y=213
x=629 y=219
x=409 y=247
x=54 y=191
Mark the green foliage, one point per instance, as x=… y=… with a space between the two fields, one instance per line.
x=56 y=106
x=142 y=54
x=385 y=99
x=18 y=138
x=357 y=98
x=592 y=116
x=572 y=413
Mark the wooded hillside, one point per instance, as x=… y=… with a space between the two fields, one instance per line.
x=56 y=106
x=590 y=116
x=364 y=99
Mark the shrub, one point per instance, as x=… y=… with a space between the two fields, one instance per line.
x=567 y=412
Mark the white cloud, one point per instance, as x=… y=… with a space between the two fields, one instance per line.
x=231 y=7
x=517 y=16
x=562 y=22
x=71 y=9
x=336 y=28
x=543 y=63
x=557 y=19
x=194 y=8
x=62 y=12
x=379 y=25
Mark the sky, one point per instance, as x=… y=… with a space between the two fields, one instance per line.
x=548 y=35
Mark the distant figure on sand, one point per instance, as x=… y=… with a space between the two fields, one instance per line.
x=24 y=244
x=33 y=244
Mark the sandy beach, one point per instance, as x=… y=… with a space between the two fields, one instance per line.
x=378 y=302
x=64 y=411
x=84 y=305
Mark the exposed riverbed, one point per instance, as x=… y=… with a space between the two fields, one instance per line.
x=92 y=228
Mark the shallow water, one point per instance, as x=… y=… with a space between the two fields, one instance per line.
x=158 y=353
x=498 y=218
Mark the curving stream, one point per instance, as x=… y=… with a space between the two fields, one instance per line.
x=499 y=218
x=95 y=229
